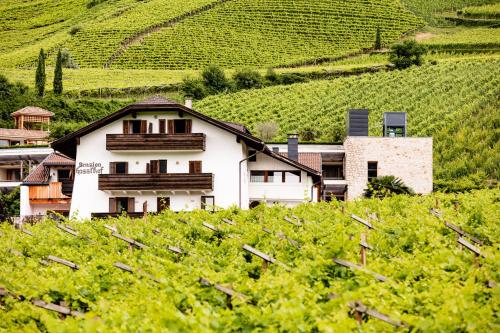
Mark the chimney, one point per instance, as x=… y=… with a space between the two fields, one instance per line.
x=357 y=122
x=188 y=102
x=293 y=147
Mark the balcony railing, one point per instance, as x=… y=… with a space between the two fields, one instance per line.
x=51 y=193
x=156 y=182
x=191 y=141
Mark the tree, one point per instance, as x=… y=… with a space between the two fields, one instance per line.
x=215 y=80
x=40 y=74
x=378 y=40
x=386 y=186
x=58 y=75
x=267 y=130
x=407 y=54
x=194 y=88
x=247 y=79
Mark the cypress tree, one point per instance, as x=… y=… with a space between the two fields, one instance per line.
x=40 y=74
x=58 y=84
x=378 y=40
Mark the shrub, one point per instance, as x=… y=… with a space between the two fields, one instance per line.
x=407 y=54
x=267 y=130
x=67 y=60
x=215 y=80
x=10 y=203
x=378 y=40
x=60 y=129
x=291 y=78
x=247 y=79
x=194 y=88
x=386 y=186
x=271 y=76
x=75 y=29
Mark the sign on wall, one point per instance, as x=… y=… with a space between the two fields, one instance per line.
x=89 y=168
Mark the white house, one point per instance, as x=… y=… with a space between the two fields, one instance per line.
x=158 y=154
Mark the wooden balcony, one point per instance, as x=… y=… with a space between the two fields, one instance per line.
x=48 y=194
x=174 y=142
x=157 y=182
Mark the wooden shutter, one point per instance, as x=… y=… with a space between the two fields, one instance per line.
x=170 y=124
x=162 y=126
x=112 y=168
x=131 y=205
x=150 y=128
x=144 y=126
x=112 y=205
x=126 y=167
x=194 y=166
x=189 y=125
x=126 y=127
x=154 y=166
x=148 y=170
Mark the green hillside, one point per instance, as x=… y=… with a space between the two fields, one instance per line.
x=264 y=33
x=191 y=33
x=430 y=283
x=429 y=8
x=437 y=98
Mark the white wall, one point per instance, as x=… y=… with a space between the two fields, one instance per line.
x=25 y=209
x=288 y=193
x=221 y=158
x=407 y=158
x=28 y=209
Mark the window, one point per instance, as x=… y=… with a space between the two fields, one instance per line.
x=194 y=166
x=162 y=203
x=13 y=174
x=63 y=174
x=118 y=167
x=162 y=128
x=395 y=131
x=179 y=126
x=333 y=171
x=121 y=204
x=163 y=166
x=372 y=170
x=252 y=157
x=4 y=143
x=134 y=126
x=258 y=176
x=208 y=203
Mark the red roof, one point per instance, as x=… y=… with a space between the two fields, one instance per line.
x=32 y=111
x=41 y=173
x=311 y=160
x=14 y=133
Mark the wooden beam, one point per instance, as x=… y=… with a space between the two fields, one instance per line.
x=123 y=267
x=462 y=233
x=351 y=265
x=110 y=228
x=129 y=240
x=209 y=226
x=258 y=253
x=469 y=246
x=361 y=308
x=67 y=229
x=363 y=222
x=174 y=249
x=228 y=221
x=63 y=262
x=289 y=220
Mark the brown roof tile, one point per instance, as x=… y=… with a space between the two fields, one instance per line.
x=157 y=99
x=14 y=133
x=32 y=111
x=311 y=160
x=41 y=173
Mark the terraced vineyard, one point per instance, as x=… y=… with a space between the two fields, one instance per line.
x=487 y=11
x=434 y=96
x=416 y=273
x=479 y=39
x=268 y=33
x=428 y=9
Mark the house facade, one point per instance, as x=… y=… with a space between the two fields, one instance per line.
x=158 y=154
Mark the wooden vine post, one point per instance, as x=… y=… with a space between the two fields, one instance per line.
x=360 y=309
x=145 y=210
x=265 y=258
x=364 y=246
x=472 y=248
x=230 y=293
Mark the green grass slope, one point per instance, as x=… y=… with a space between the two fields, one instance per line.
x=264 y=33
x=439 y=99
x=432 y=284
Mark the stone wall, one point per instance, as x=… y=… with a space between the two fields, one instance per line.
x=407 y=158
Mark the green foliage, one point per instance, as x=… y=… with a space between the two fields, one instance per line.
x=58 y=75
x=67 y=60
x=309 y=134
x=93 y=3
x=194 y=88
x=386 y=186
x=247 y=79
x=9 y=203
x=407 y=54
x=430 y=9
x=75 y=29
x=378 y=40
x=59 y=129
x=441 y=101
x=432 y=284
x=214 y=80
x=40 y=74
x=488 y=11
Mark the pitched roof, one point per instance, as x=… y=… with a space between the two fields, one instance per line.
x=311 y=160
x=41 y=173
x=68 y=143
x=32 y=111
x=14 y=133
x=237 y=126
